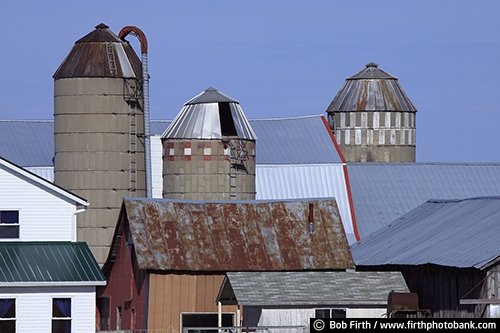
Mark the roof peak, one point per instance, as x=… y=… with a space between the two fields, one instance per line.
x=372 y=71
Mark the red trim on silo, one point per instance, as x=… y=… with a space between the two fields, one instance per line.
x=346 y=177
x=187 y=145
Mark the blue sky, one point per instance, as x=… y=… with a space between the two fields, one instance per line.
x=280 y=58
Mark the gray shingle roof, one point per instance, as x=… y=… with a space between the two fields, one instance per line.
x=454 y=233
x=341 y=288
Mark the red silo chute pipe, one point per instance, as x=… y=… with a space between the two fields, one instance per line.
x=145 y=90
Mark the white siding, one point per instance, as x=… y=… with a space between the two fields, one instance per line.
x=43 y=215
x=34 y=307
x=156 y=166
x=301 y=317
x=44 y=172
x=286 y=317
x=366 y=313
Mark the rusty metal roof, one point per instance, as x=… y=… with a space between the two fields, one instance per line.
x=178 y=235
x=371 y=89
x=100 y=53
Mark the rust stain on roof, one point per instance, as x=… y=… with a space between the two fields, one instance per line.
x=100 y=53
x=237 y=236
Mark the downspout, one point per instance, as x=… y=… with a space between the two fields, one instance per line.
x=145 y=91
x=73 y=222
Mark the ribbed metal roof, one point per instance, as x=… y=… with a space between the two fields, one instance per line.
x=295 y=140
x=100 y=53
x=178 y=235
x=158 y=127
x=291 y=140
x=310 y=288
x=453 y=233
x=383 y=192
x=211 y=95
x=205 y=117
x=57 y=263
x=27 y=143
x=371 y=89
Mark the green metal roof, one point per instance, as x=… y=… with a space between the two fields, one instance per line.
x=54 y=263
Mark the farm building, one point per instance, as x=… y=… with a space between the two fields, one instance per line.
x=48 y=280
x=219 y=155
x=444 y=250
x=171 y=256
x=278 y=299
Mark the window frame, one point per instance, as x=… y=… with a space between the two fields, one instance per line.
x=11 y=225
x=61 y=318
x=10 y=319
x=330 y=312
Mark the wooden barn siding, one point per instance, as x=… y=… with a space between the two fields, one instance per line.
x=440 y=289
x=489 y=290
x=171 y=294
x=126 y=287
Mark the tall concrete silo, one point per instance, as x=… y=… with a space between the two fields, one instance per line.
x=99 y=131
x=372 y=119
x=209 y=151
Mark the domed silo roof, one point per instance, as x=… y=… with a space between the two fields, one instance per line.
x=100 y=53
x=371 y=89
x=210 y=115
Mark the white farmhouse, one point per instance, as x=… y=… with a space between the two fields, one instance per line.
x=47 y=279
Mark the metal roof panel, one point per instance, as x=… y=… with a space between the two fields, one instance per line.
x=40 y=262
x=383 y=192
x=237 y=235
x=295 y=140
x=27 y=143
x=453 y=233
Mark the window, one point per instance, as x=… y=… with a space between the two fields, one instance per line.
x=103 y=311
x=192 y=321
x=330 y=313
x=7 y=315
x=118 y=318
x=9 y=224
x=61 y=315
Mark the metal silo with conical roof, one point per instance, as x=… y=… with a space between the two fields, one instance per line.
x=209 y=151
x=99 y=131
x=372 y=119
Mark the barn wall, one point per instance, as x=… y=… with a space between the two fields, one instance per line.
x=441 y=288
x=172 y=294
x=490 y=290
x=126 y=288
